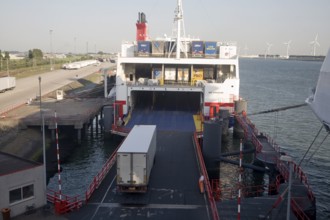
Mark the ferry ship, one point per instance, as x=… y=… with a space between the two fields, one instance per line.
x=187 y=87
x=176 y=68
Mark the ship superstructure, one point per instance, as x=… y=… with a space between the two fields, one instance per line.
x=207 y=72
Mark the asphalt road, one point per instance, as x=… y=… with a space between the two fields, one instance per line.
x=28 y=87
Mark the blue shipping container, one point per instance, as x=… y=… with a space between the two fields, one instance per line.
x=197 y=48
x=144 y=47
x=210 y=48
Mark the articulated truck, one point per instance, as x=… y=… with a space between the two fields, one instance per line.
x=7 y=83
x=135 y=159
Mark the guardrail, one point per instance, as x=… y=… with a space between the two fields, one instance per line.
x=10 y=108
x=282 y=167
x=230 y=193
x=63 y=203
x=214 y=210
x=97 y=180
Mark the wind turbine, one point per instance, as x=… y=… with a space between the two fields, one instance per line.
x=246 y=49
x=287 y=48
x=314 y=44
x=269 y=45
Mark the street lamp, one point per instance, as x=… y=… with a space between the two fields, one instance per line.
x=75 y=40
x=51 y=50
x=43 y=141
x=289 y=160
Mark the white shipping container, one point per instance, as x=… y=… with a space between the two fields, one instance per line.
x=127 y=50
x=170 y=74
x=7 y=83
x=135 y=159
x=227 y=52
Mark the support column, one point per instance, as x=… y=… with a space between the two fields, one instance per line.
x=79 y=136
x=97 y=123
x=53 y=134
x=86 y=128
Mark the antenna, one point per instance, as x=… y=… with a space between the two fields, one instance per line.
x=314 y=44
x=179 y=31
x=246 y=49
x=269 y=45
x=287 y=48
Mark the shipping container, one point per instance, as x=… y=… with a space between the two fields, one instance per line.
x=210 y=49
x=135 y=159
x=170 y=74
x=7 y=83
x=208 y=73
x=183 y=75
x=144 y=48
x=197 y=48
x=157 y=74
x=196 y=75
x=227 y=52
x=127 y=50
x=158 y=48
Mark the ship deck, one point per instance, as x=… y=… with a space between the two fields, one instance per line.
x=173 y=191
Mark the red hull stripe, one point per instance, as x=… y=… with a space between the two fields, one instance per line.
x=221 y=104
x=122 y=102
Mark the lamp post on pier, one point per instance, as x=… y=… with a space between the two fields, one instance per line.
x=51 y=50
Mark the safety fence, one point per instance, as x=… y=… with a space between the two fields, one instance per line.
x=298 y=173
x=213 y=206
x=296 y=209
x=4 y=111
x=282 y=167
x=97 y=180
x=63 y=203
x=230 y=193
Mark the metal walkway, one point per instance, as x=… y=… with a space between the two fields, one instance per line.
x=268 y=152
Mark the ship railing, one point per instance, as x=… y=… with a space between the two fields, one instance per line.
x=229 y=193
x=97 y=180
x=296 y=209
x=63 y=203
x=208 y=188
x=243 y=125
x=284 y=170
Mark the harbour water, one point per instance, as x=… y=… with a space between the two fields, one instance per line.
x=269 y=84
x=265 y=84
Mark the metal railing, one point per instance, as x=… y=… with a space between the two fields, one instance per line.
x=63 y=203
x=214 y=210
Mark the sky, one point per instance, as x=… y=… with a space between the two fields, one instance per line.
x=102 y=25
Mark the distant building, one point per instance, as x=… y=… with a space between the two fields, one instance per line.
x=21 y=184
x=55 y=55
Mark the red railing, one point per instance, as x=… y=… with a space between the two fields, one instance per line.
x=283 y=168
x=63 y=203
x=214 y=210
x=228 y=193
x=97 y=180
x=296 y=209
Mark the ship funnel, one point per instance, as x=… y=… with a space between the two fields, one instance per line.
x=141 y=27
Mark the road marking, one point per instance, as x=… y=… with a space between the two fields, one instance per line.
x=105 y=194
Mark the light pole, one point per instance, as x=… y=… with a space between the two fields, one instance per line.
x=51 y=49
x=43 y=141
x=40 y=97
x=288 y=159
x=75 y=40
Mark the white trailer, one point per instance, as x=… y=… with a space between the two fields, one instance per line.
x=7 y=83
x=135 y=159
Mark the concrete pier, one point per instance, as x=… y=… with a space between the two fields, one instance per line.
x=77 y=113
